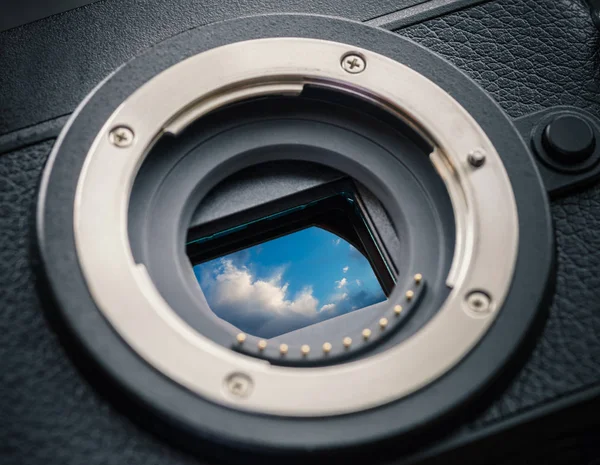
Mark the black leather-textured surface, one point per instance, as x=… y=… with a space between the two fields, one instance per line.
x=48 y=413
x=528 y=54
x=48 y=67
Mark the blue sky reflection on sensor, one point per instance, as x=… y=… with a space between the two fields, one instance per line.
x=289 y=282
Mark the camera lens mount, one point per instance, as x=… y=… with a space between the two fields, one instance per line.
x=485 y=251
x=495 y=272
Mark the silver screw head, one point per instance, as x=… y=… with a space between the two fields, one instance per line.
x=353 y=63
x=479 y=303
x=239 y=384
x=476 y=158
x=121 y=136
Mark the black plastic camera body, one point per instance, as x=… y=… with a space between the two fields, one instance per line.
x=537 y=59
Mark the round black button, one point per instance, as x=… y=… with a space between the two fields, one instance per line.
x=569 y=139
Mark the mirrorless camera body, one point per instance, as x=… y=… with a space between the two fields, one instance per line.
x=156 y=157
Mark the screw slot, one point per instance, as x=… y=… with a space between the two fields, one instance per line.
x=479 y=302
x=121 y=137
x=353 y=63
x=239 y=384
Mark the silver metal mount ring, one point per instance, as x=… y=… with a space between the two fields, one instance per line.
x=482 y=197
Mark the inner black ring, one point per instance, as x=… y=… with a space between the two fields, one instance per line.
x=332 y=130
